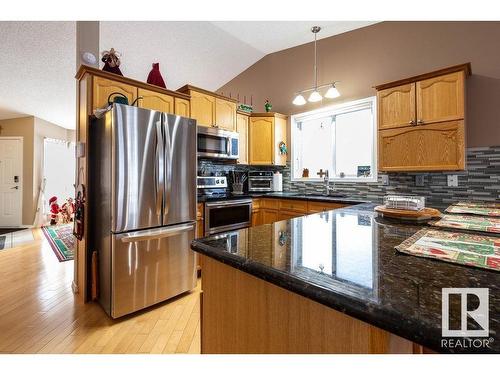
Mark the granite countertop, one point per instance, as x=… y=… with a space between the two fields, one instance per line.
x=345 y=259
x=287 y=195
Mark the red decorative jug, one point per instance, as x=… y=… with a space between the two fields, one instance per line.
x=155 y=77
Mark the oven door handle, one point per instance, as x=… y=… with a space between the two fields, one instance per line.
x=230 y=203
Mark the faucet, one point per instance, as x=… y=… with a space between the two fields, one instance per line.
x=326 y=180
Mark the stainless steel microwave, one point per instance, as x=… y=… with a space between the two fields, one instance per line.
x=217 y=143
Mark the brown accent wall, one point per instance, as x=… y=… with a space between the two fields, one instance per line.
x=384 y=52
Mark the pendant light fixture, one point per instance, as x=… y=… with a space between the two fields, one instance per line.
x=315 y=95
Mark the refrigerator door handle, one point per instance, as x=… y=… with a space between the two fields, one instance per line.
x=167 y=165
x=155 y=234
x=159 y=150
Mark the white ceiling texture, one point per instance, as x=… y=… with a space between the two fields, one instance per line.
x=38 y=63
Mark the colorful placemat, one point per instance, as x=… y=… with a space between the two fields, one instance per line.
x=469 y=222
x=483 y=209
x=61 y=240
x=478 y=204
x=463 y=248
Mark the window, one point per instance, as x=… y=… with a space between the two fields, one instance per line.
x=340 y=139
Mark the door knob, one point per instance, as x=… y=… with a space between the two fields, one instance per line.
x=15 y=187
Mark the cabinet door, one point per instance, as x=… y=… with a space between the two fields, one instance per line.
x=156 y=101
x=104 y=87
x=279 y=136
x=225 y=114
x=242 y=129
x=269 y=216
x=256 y=218
x=260 y=140
x=202 y=108
x=441 y=98
x=182 y=107
x=434 y=147
x=286 y=215
x=396 y=106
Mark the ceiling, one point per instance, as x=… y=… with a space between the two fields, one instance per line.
x=271 y=36
x=38 y=59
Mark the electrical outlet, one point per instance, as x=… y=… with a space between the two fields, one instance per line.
x=419 y=180
x=385 y=180
x=452 y=180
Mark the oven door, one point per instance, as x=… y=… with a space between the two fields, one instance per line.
x=260 y=184
x=227 y=215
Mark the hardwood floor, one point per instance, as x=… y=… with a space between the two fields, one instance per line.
x=39 y=314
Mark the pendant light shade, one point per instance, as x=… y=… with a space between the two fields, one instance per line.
x=299 y=100
x=315 y=96
x=332 y=92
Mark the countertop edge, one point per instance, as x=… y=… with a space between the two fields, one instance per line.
x=339 y=303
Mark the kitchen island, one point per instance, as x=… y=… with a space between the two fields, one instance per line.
x=330 y=282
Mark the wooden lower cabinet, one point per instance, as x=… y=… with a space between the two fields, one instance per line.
x=271 y=210
x=285 y=215
x=434 y=147
x=269 y=216
x=242 y=314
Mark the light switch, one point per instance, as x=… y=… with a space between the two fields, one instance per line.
x=385 y=179
x=452 y=180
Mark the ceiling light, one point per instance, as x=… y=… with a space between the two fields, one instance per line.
x=299 y=100
x=315 y=97
x=332 y=92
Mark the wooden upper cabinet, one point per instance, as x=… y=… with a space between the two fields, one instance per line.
x=441 y=98
x=225 y=114
x=396 y=106
x=202 y=108
x=103 y=87
x=156 y=101
x=265 y=133
x=421 y=122
x=242 y=129
x=181 y=107
x=260 y=136
x=432 y=147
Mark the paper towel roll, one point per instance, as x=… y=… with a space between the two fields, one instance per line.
x=277 y=181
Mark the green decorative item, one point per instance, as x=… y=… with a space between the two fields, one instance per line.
x=245 y=108
x=268 y=106
x=282 y=147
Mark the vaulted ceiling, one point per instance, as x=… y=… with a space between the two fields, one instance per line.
x=38 y=59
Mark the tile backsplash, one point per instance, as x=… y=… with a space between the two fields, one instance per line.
x=480 y=182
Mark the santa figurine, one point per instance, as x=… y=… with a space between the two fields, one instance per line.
x=54 y=210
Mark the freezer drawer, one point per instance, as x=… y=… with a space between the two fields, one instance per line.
x=151 y=266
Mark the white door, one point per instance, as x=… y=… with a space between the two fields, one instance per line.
x=11 y=189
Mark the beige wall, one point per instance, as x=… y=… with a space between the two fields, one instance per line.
x=23 y=127
x=384 y=52
x=33 y=130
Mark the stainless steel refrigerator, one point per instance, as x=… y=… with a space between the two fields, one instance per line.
x=142 y=206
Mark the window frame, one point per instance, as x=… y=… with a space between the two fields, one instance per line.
x=334 y=110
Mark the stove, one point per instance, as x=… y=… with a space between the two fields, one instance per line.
x=224 y=211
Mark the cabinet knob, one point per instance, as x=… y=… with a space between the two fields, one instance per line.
x=420 y=121
x=412 y=122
